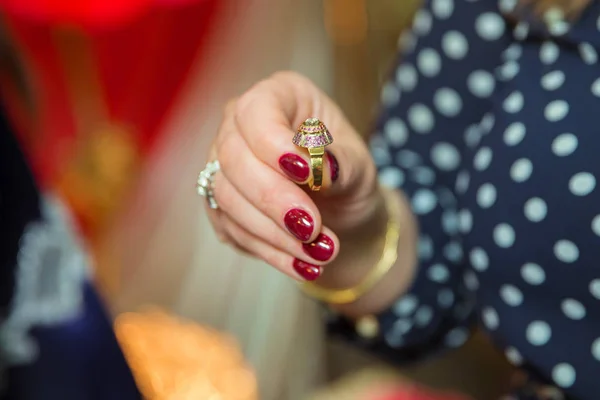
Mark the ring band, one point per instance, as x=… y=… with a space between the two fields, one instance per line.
x=314 y=136
x=206 y=183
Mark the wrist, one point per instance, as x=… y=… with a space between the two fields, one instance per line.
x=360 y=246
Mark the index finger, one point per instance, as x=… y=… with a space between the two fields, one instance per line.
x=268 y=116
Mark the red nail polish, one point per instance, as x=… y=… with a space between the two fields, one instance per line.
x=308 y=271
x=299 y=223
x=333 y=166
x=294 y=167
x=321 y=249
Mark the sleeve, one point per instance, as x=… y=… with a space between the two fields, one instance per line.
x=435 y=109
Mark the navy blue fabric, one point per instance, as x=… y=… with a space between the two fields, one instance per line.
x=489 y=125
x=79 y=359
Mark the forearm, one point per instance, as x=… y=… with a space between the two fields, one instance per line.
x=360 y=251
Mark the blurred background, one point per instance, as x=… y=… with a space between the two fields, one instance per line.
x=118 y=116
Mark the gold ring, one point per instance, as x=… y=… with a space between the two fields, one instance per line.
x=314 y=136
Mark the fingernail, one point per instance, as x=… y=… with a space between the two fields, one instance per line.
x=294 y=166
x=299 y=223
x=308 y=271
x=333 y=166
x=321 y=249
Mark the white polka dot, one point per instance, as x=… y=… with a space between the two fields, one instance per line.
x=471 y=281
x=422 y=22
x=566 y=251
x=573 y=309
x=447 y=197
x=596 y=225
x=438 y=273
x=481 y=83
x=462 y=182
x=401 y=327
x=479 y=259
x=396 y=132
x=391 y=177
x=406 y=305
x=535 y=209
x=482 y=158
x=423 y=175
x=455 y=45
x=588 y=53
x=490 y=26
x=512 y=52
x=394 y=341
x=429 y=62
x=445 y=156
x=556 y=110
x=595 y=288
x=582 y=183
x=448 y=102
x=553 y=14
x=508 y=70
x=453 y=252
x=564 y=375
x=456 y=337
x=450 y=222
x=465 y=221
x=565 y=144
x=521 y=30
x=390 y=95
x=407 y=41
x=521 y=170
x=596 y=88
x=442 y=9
x=559 y=28
x=538 y=333
x=553 y=80
x=423 y=316
x=406 y=77
x=504 y=235
x=514 y=102
x=507 y=6
x=533 y=274
x=490 y=318
x=514 y=133
x=407 y=159
x=596 y=349
x=513 y=356
x=445 y=298
x=511 y=295
x=487 y=122
x=486 y=195
x=420 y=118
x=549 y=52
x=423 y=201
x=473 y=135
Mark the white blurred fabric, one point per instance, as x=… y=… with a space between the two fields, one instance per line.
x=164 y=243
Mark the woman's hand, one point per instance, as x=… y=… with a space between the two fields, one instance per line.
x=265 y=208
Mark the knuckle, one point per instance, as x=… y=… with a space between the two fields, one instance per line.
x=268 y=199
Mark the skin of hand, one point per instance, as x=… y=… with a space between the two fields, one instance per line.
x=265 y=207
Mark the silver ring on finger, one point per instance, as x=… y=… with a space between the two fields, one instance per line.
x=206 y=183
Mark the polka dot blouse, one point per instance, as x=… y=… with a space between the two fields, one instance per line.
x=490 y=126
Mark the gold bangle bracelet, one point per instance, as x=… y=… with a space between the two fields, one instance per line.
x=386 y=262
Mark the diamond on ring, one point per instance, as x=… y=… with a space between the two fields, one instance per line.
x=206 y=183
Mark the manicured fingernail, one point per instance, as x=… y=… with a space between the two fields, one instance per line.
x=321 y=249
x=294 y=167
x=333 y=166
x=299 y=223
x=308 y=271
